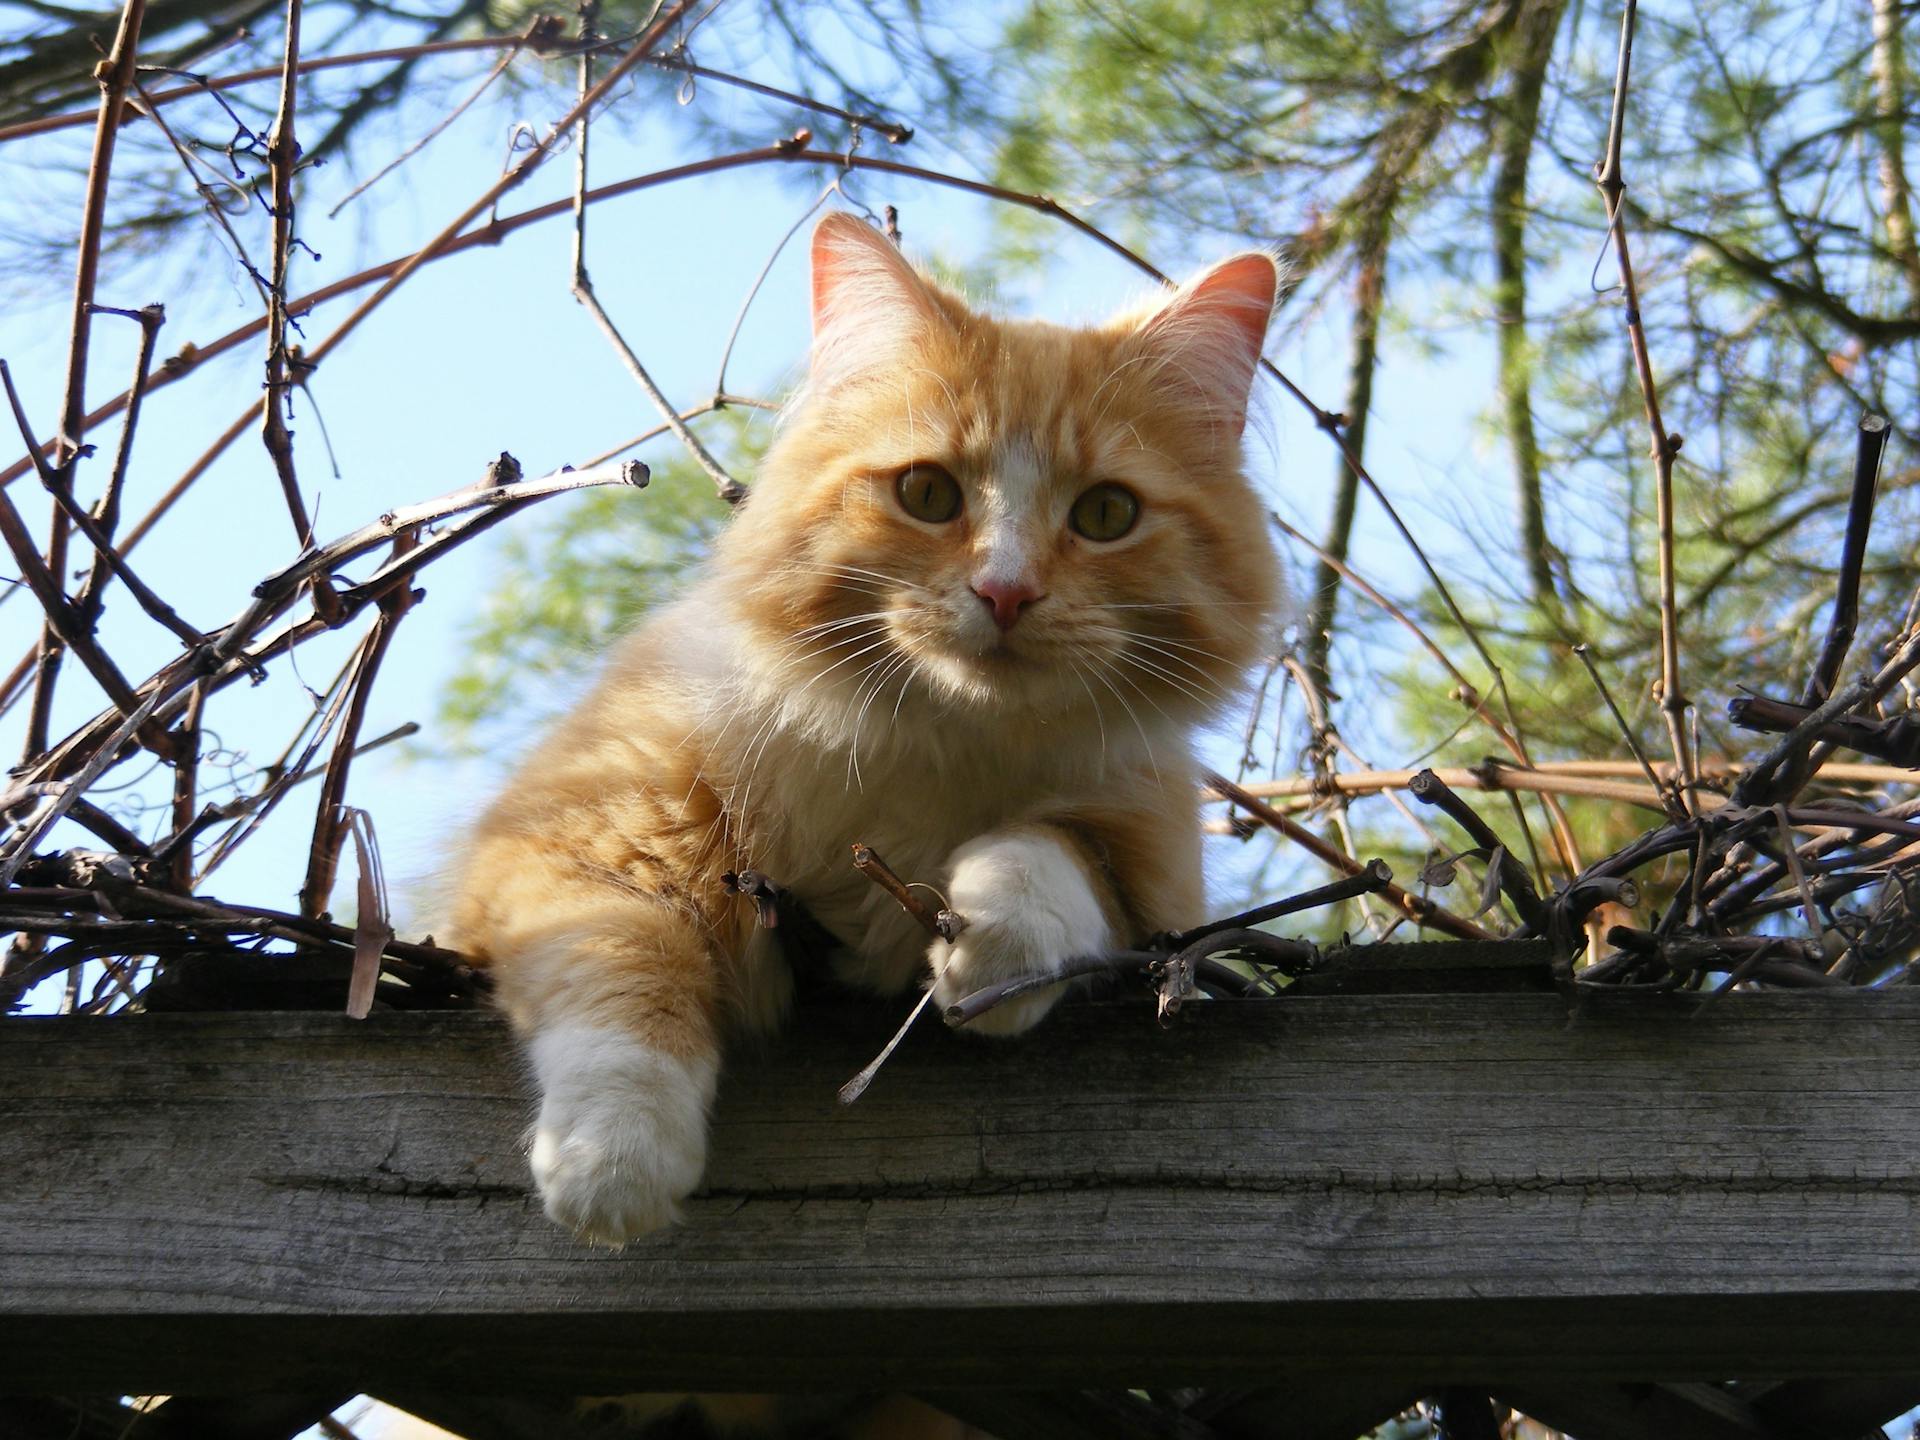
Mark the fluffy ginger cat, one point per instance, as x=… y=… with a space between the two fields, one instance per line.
x=992 y=576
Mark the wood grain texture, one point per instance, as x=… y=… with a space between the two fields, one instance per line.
x=1445 y=1188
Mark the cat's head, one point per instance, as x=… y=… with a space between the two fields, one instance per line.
x=1009 y=514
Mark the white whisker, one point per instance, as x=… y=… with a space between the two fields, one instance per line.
x=893 y=664
x=1133 y=715
x=1184 y=687
x=1099 y=719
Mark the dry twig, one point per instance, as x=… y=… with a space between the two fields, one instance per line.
x=1607 y=175
x=1420 y=911
x=944 y=924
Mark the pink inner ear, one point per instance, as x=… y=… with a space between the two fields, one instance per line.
x=868 y=305
x=1217 y=325
x=837 y=249
x=1237 y=294
x=858 y=275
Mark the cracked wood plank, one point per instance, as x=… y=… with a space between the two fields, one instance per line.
x=1456 y=1189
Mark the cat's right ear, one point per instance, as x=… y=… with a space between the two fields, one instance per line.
x=868 y=304
x=1210 y=332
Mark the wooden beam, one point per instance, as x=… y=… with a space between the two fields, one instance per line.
x=1456 y=1189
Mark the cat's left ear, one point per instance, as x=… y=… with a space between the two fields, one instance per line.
x=868 y=304
x=1211 y=331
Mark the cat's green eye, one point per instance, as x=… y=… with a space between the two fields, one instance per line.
x=928 y=493
x=1104 y=512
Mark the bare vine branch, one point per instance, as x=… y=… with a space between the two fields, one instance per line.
x=1607 y=175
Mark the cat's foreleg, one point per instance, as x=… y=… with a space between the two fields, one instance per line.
x=1033 y=898
x=621 y=1137
x=614 y=998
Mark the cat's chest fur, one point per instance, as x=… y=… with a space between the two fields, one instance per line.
x=912 y=795
x=804 y=784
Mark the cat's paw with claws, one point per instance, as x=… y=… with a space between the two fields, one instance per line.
x=1030 y=906
x=622 y=1134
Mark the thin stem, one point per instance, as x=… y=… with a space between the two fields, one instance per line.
x=1372 y=878
x=1370 y=292
x=31 y=835
x=106 y=513
x=1811 y=911
x=945 y=925
x=283 y=153
x=582 y=132
x=730 y=489
x=186 y=777
x=540 y=40
x=440 y=127
x=1489 y=776
x=69 y=629
x=84 y=611
x=1870 y=446
x=114 y=73
x=753 y=291
x=210 y=202
x=868 y=862
x=535 y=156
x=323 y=852
x=250 y=813
x=1421 y=912
x=971 y=1007
x=232 y=648
x=1673 y=809
x=1665 y=446
x=1470 y=695
x=1512 y=878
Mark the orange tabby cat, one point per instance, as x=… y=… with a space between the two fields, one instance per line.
x=991 y=577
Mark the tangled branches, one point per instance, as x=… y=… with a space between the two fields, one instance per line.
x=1763 y=846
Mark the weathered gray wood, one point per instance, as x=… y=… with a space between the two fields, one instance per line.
x=1458 y=1189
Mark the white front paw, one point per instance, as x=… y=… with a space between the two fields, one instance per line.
x=1030 y=907
x=622 y=1134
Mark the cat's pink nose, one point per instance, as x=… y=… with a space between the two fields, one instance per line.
x=1008 y=599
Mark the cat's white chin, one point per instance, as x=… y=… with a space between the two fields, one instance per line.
x=1005 y=681
x=622 y=1135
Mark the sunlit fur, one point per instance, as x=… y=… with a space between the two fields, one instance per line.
x=832 y=677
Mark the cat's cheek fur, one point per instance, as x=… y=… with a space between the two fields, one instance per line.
x=622 y=1134
x=1030 y=905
